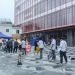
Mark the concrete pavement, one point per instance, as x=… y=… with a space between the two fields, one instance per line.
x=31 y=66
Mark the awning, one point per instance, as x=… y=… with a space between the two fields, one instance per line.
x=4 y=36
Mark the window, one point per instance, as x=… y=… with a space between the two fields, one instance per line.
x=73 y=14
x=49 y=4
x=53 y=4
x=43 y=7
x=69 y=15
x=17 y=31
x=63 y=17
x=58 y=2
x=35 y=10
x=49 y=20
x=58 y=18
x=68 y=1
x=38 y=8
x=63 y=2
x=46 y=21
x=7 y=30
x=53 y=19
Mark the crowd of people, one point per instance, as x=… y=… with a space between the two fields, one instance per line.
x=10 y=46
x=62 y=49
x=37 y=45
x=53 y=48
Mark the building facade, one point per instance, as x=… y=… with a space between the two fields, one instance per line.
x=49 y=18
x=8 y=28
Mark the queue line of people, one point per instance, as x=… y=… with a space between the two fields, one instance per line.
x=62 y=48
x=12 y=47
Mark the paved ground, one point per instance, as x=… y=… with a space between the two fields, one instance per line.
x=31 y=66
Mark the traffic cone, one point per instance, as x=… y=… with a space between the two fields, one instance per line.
x=19 y=60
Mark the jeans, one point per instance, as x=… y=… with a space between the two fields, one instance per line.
x=23 y=51
x=41 y=53
x=15 y=49
x=53 y=55
x=10 y=49
x=63 y=54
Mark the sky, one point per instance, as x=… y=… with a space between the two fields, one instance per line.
x=7 y=9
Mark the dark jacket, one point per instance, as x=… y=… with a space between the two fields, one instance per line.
x=15 y=44
x=10 y=44
x=36 y=45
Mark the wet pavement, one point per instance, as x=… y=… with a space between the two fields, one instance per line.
x=32 y=66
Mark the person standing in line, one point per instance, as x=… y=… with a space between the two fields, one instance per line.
x=32 y=41
x=63 y=48
x=4 y=45
x=36 y=45
x=41 y=46
x=53 y=48
x=20 y=45
x=15 y=46
x=10 y=46
x=23 y=47
x=7 y=46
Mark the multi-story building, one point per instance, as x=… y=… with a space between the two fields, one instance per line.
x=49 y=18
x=7 y=28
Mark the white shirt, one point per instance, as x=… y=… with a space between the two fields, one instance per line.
x=41 y=44
x=53 y=44
x=63 y=45
x=23 y=44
